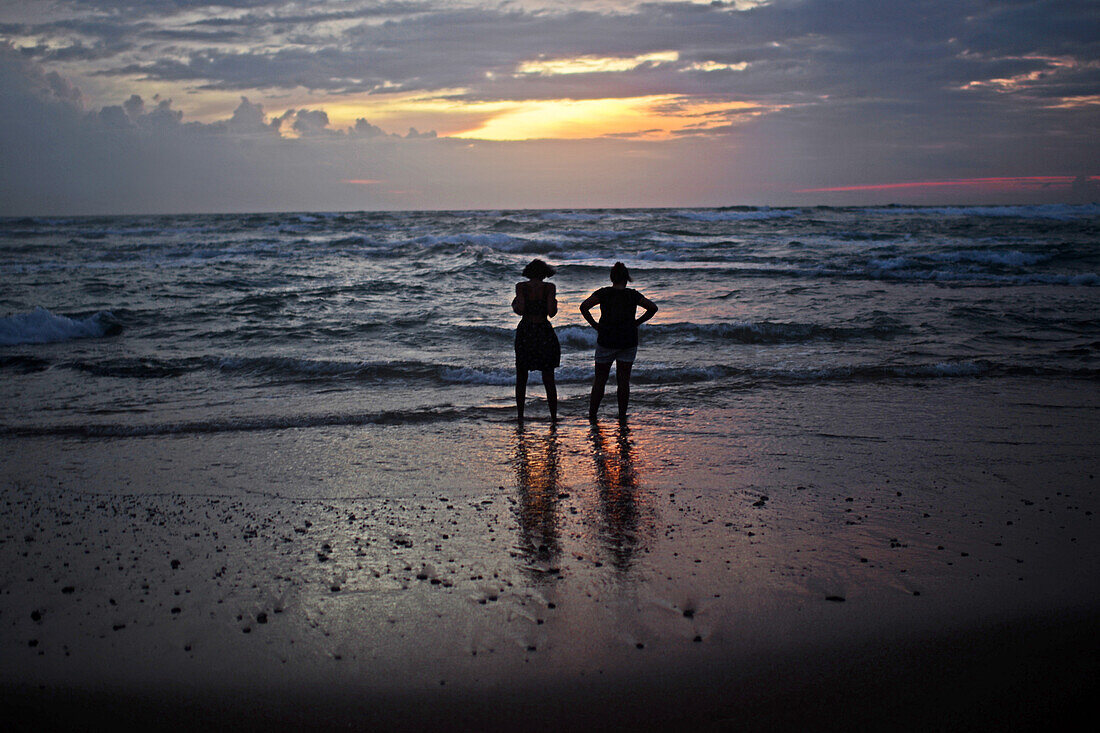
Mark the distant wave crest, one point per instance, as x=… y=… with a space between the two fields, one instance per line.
x=1060 y=212
x=735 y=214
x=40 y=326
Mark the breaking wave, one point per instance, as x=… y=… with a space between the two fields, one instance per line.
x=40 y=326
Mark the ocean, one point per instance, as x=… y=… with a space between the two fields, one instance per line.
x=275 y=458
x=184 y=324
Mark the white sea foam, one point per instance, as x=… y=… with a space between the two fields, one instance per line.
x=581 y=337
x=40 y=326
x=469 y=375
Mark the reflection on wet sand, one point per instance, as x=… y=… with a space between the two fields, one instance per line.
x=617 y=489
x=537 y=479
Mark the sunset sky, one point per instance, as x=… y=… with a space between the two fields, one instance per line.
x=132 y=106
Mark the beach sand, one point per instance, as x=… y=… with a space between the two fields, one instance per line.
x=864 y=557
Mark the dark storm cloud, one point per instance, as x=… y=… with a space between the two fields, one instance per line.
x=836 y=49
x=792 y=48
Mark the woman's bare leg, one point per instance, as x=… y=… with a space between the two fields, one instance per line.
x=521 y=392
x=551 y=392
x=598 y=384
x=622 y=383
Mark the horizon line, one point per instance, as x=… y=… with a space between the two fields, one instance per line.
x=995 y=182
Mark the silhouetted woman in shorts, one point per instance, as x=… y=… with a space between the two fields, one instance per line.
x=617 y=341
x=537 y=345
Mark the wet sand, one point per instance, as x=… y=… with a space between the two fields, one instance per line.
x=886 y=557
x=1035 y=674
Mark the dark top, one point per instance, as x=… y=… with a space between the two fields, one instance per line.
x=535 y=308
x=536 y=344
x=617 y=328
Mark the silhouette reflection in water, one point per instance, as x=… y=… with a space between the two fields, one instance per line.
x=617 y=488
x=537 y=477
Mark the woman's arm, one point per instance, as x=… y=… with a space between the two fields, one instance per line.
x=518 y=303
x=551 y=300
x=586 y=310
x=650 y=309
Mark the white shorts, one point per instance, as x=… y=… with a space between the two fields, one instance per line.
x=604 y=355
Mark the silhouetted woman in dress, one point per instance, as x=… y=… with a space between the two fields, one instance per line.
x=537 y=345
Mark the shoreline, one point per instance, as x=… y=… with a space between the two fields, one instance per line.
x=682 y=571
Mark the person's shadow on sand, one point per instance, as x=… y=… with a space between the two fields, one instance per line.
x=617 y=489
x=537 y=471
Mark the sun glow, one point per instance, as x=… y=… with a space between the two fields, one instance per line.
x=570 y=119
x=450 y=114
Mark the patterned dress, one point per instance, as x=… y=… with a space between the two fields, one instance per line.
x=537 y=346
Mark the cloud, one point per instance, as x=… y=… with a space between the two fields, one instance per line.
x=311 y=122
x=142 y=156
x=248 y=117
x=787 y=45
x=781 y=52
x=363 y=128
x=788 y=95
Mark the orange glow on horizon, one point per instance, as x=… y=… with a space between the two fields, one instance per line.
x=658 y=116
x=655 y=116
